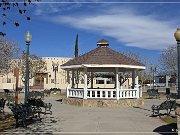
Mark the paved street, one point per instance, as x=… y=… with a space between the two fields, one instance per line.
x=72 y=119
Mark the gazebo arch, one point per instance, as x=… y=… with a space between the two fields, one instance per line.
x=102 y=59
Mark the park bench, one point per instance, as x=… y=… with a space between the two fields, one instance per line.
x=6 y=91
x=36 y=94
x=23 y=112
x=10 y=99
x=168 y=105
x=20 y=89
x=2 y=105
x=38 y=103
x=47 y=92
x=54 y=90
x=153 y=93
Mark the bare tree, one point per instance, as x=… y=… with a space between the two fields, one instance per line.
x=168 y=61
x=36 y=65
x=8 y=51
x=144 y=75
x=20 y=7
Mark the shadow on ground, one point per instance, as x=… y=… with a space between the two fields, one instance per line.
x=45 y=126
x=169 y=129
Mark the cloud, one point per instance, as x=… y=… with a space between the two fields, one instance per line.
x=48 y=7
x=126 y=26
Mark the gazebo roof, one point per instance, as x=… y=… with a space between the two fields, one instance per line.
x=103 y=56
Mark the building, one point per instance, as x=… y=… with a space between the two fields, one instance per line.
x=44 y=80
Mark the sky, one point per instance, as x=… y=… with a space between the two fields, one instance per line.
x=143 y=27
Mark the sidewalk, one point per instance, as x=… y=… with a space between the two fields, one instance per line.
x=67 y=119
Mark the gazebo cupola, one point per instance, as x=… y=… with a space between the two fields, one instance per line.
x=102 y=43
x=82 y=71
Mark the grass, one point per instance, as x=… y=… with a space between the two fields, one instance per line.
x=6 y=121
x=169 y=119
x=146 y=96
x=58 y=95
x=2 y=95
x=160 y=88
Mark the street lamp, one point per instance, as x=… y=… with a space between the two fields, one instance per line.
x=55 y=69
x=177 y=37
x=28 y=38
x=153 y=70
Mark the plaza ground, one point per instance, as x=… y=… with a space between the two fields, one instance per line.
x=68 y=119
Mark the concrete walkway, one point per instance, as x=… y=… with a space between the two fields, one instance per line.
x=67 y=119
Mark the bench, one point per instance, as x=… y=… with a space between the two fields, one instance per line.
x=22 y=112
x=2 y=105
x=20 y=89
x=168 y=105
x=10 y=99
x=47 y=92
x=6 y=91
x=36 y=94
x=153 y=93
x=39 y=104
x=54 y=90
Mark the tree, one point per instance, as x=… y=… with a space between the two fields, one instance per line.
x=36 y=65
x=144 y=75
x=8 y=51
x=168 y=61
x=16 y=6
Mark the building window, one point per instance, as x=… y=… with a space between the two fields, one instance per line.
x=99 y=81
x=109 y=82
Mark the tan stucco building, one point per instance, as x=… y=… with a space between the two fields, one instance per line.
x=45 y=80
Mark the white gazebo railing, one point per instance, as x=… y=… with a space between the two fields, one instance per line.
x=78 y=93
x=103 y=93
x=129 y=93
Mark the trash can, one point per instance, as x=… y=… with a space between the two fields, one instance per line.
x=167 y=91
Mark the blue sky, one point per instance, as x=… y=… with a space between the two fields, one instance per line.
x=143 y=27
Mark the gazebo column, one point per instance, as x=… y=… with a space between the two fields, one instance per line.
x=68 y=81
x=133 y=79
x=137 y=84
x=72 y=79
x=92 y=80
x=117 y=83
x=120 y=84
x=77 y=78
x=68 y=77
x=85 y=83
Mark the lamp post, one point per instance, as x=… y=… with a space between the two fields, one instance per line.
x=153 y=70
x=28 y=38
x=177 y=37
x=55 y=70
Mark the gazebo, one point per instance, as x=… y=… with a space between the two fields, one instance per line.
x=81 y=71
